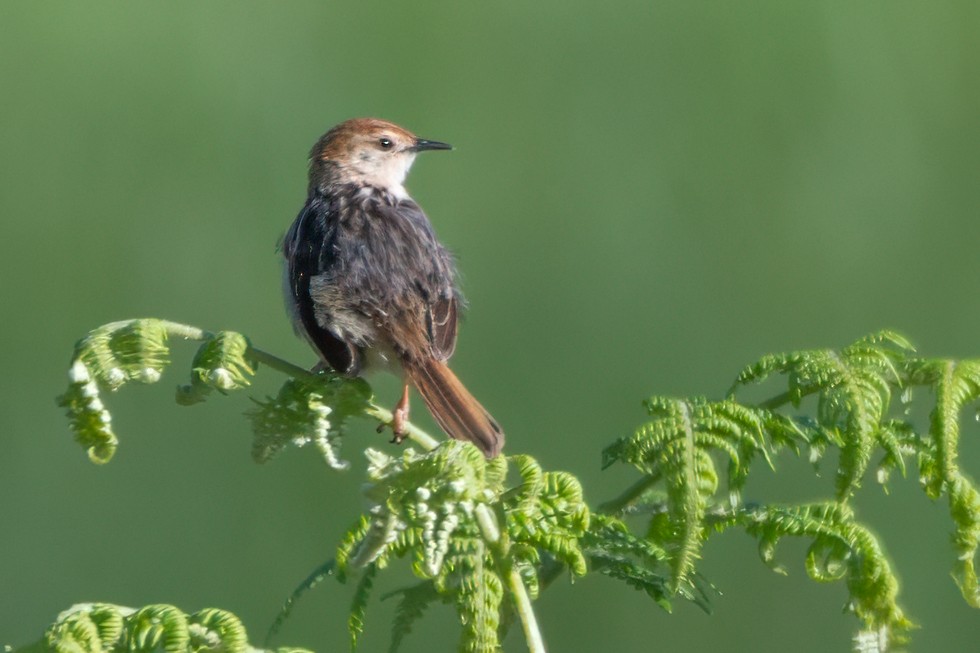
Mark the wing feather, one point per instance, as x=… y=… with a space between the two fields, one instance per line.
x=308 y=249
x=435 y=276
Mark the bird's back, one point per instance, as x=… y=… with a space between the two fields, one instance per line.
x=371 y=263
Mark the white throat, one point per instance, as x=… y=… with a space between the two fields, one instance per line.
x=382 y=170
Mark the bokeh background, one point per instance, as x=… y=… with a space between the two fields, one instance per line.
x=644 y=197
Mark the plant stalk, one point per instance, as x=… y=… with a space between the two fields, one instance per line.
x=490 y=530
x=522 y=604
x=628 y=496
x=383 y=415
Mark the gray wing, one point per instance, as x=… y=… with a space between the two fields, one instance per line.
x=309 y=250
x=430 y=275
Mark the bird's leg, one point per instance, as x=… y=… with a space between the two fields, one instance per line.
x=399 y=417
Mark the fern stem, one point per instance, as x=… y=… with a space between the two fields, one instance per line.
x=280 y=365
x=522 y=604
x=188 y=332
x=775 y=402
x=630 y=495
x=412 y=432
x=383 y=415
x=184 y=331
x=490 y=530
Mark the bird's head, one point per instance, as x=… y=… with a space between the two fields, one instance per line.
x=369 y=152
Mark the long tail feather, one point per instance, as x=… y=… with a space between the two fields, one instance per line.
x=457 y=411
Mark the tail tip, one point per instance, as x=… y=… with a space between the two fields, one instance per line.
x=496 y=441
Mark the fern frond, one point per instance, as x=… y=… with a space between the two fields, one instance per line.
x=841 y=548
x=377 y=544
x=814 y=375
x=106 y=628
x=222 y=363
x=450 y=512
x=90 y=421
x=308 y=408
x=91 y=628
x=135 y=350
x=414 y=601
x=615 y=552
x=853 y=388
x=481 y=546
x=957 y=383
x=158 y=626
x=547 y=512
x=423 y=504
x=479 y=611
x=532 y=481
x=676 y=446
x=108 y=357
x=212 y=628
x=964 y=507
x=872 y=641
x=349 y=544
x=898 y=439
x=308 y=412
x=462 y=564
x=328 y=568
x=355 y=619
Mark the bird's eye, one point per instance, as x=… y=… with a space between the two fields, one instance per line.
x=385 y=143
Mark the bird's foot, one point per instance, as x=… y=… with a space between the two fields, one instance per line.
x=398 y=429
x=399 y=419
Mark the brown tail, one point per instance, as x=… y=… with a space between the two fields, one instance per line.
x=457 y=411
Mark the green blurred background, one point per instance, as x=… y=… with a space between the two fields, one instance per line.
x=644 y=197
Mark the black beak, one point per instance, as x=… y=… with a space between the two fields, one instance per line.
x=421 y=145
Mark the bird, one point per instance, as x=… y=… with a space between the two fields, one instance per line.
x=368 y=284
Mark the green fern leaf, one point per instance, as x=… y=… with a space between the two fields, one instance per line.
x=964 y=504
x=548 y=512
x=615 y=552
x=157 y=626
x=414 y=601
x=328 y=568
x=104 y=628
x=465 y=557
x=212 y=629
x=89 y=628
x=355 y=620
x=108 y=357
x=957 y=384
x=222 y=363
x=308 y=412
x=479 y=611
x=350 y=544
x=841 y=548
x=898 y=439
x=88 y=417
x=675 y=446
x=134 y=350
x=853 y=388
x=449 y=511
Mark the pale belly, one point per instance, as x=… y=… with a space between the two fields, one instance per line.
x=351 y=326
